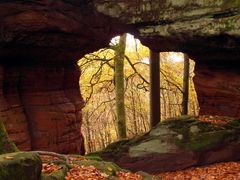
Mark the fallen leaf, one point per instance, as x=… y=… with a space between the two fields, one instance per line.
x=8 y=157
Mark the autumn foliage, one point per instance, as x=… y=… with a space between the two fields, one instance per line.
x=77 y=172
x=216 y=120
x=220 y=171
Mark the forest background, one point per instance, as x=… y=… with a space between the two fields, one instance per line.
x=98 y=89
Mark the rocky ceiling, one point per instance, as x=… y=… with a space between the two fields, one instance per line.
x=40 y=42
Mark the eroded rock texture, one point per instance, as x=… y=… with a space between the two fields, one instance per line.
x=177 y=143
x=41 y=41
x=41 y=107
x=218 y=89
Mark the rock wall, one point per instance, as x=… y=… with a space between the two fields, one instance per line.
x=40 y=44
x=218 y=89
x=41 y=107
x=11 y=109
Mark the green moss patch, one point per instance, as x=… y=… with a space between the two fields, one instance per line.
x=198 y=135
x=6 y=146
x=20 y=166
x=107 y=167
x=56 y=175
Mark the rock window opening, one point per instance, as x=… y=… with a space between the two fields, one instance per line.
x=97 y=82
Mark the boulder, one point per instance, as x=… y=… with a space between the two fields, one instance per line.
x=175 y=144
x=20 y=165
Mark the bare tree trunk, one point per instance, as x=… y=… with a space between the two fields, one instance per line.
x=119 y=80
x=185 y=85
x=88 y=133
x=134 y=113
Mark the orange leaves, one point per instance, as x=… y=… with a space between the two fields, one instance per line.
x=129 y=176
x=85 y=172
x=47 y=158
x=220 y=171
x=215 y=120
x=75 y=158
x=49 y=168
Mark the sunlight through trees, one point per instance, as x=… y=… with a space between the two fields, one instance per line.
x=98 y=89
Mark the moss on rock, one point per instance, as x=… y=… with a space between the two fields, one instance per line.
x=198 y=135
x=107 y=167
x=56 y=175
x=20 y=166
x=6 y=146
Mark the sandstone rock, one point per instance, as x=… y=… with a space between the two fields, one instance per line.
x=218 y=89
x=40 y=42
x=155 y=153
x=49 y=103
x=20 y=165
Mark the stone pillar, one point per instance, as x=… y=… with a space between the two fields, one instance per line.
x=155 y=109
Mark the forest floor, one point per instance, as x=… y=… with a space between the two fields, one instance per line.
x=218 y=171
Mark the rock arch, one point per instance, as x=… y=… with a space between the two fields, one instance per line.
x=41 y=41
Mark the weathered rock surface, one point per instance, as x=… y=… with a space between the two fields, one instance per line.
x=218 y=89
x=176 y=144
x=41 y=107
x=40 y=43
x=20 y=165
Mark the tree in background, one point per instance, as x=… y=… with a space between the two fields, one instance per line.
x=119 y=84
x=98 y=89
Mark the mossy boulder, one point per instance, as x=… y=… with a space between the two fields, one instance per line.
x=177 y=143
x=20 y=166
x=6 y=146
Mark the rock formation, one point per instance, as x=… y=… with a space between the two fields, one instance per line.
x=177 y=143
x=24 y=165
x=41 y=41
x=208 y=31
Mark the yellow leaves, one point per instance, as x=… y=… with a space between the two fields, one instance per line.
x=109 y=169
